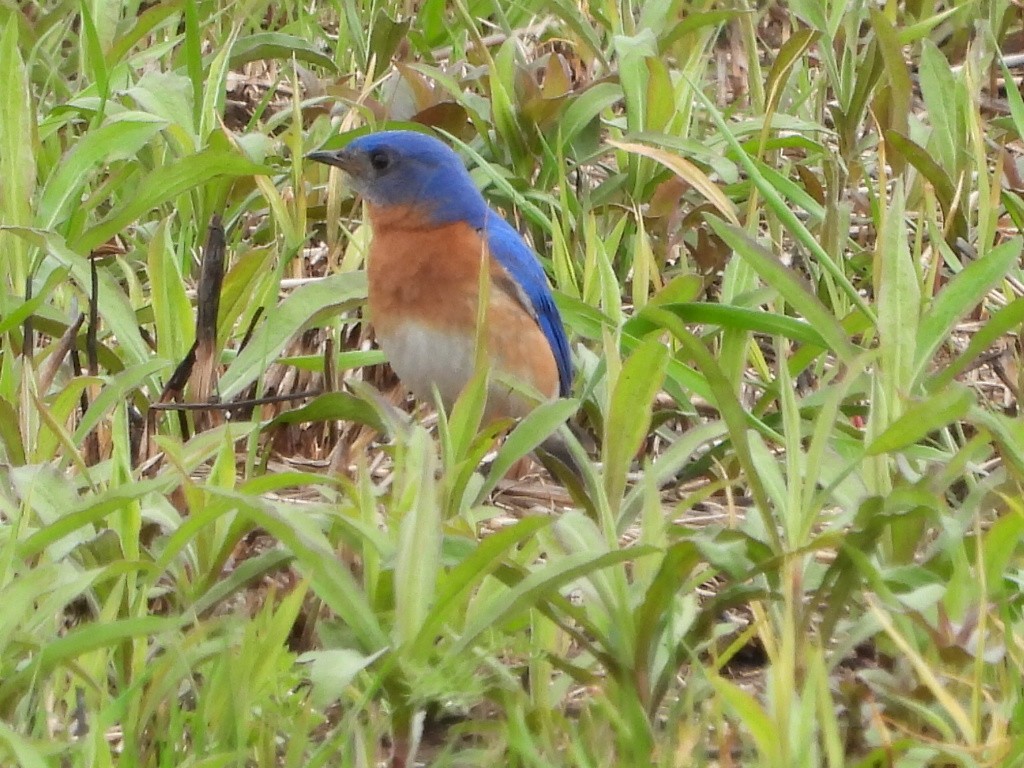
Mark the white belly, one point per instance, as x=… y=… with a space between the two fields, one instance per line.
x=424 y=357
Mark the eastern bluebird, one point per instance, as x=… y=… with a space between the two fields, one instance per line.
x=431 y=231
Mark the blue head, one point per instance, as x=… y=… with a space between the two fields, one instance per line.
x=405 y=168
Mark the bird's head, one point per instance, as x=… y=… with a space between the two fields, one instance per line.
x=409 y=169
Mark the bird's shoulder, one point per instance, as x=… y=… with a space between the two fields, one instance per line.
x=509 y=249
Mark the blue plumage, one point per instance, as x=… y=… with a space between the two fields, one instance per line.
x=424 y=169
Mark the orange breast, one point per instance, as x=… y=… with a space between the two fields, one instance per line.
x=423 y=298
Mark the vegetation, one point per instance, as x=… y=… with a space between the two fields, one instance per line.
x=785 y=241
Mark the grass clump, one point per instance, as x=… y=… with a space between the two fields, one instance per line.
x=785 y=241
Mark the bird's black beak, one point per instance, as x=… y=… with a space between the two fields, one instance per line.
x=339 y=158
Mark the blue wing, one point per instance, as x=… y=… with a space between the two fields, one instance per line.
x=512 y=252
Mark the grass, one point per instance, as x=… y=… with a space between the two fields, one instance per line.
x=785 y=242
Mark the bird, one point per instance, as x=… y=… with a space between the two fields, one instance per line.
x=432 y=234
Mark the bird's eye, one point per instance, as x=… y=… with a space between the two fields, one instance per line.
x=379 y=159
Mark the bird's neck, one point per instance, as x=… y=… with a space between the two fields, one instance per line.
x=398 y=217
x=414 y=217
